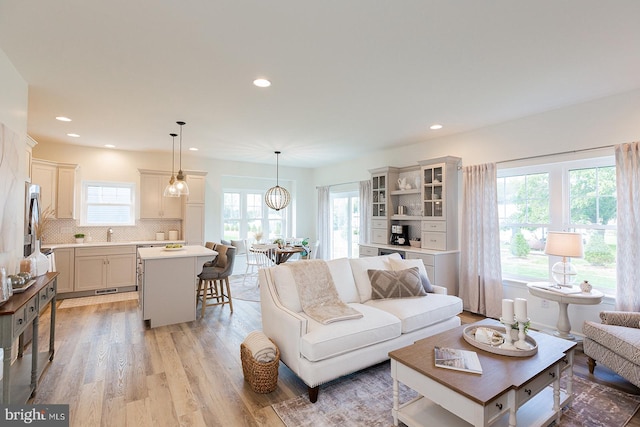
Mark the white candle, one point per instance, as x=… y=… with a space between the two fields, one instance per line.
x=507 y=310
x=521 y=309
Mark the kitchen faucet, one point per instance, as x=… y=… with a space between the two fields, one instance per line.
x=109 y=234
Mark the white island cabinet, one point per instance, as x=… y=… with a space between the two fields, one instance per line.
x=167 y=283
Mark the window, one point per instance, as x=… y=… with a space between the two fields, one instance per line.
x=346 y=224
x=577 y=196
x=107 y=203
x=245 y=215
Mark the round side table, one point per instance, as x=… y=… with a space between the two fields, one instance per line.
x=564 y=297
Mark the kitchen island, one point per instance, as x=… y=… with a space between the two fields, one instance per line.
x=167 y=280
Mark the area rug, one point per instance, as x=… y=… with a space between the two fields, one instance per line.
x=247 y=291
x=98 y=299
x=365 y=399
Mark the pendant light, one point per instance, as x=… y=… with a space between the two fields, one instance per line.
x=170 y=190
x=277 y=197
x=181 y=184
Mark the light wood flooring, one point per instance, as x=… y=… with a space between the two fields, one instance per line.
x=113 y=371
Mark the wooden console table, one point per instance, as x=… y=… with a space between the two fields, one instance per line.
x=19 y=383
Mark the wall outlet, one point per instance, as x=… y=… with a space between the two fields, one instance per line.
x=545 y=303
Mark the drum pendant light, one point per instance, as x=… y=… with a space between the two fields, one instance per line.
x=277 y=197
x=170 y=190
x=181 y=184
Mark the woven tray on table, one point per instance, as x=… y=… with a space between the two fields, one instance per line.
x=262 y=377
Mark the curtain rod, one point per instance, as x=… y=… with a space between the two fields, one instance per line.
x=556 y=154
x=341 y=183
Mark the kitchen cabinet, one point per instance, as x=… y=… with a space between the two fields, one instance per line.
x=440 y=203
x=57 y=183
x=104 y=269
x=153 y=204
x=66 y=191
x=29 y=155
x=65 y=262
x=193 y=210
x=45 y=174
x=196 y=181
x=193 y=224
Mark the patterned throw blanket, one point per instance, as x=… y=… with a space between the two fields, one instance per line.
x=318 y=295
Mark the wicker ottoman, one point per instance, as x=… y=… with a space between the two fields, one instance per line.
x=262 y=377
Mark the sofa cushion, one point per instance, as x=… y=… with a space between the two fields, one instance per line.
x=359 y=267
x=340 y=273
x=419 y=312
x=401 y=264
x=326 y=341
x=396 y=284
x=618 y=339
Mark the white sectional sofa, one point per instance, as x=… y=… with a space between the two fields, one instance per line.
x=318 y=352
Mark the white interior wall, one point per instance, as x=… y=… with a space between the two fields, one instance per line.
x=13 y=115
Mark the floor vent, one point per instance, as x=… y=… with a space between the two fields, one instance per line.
x=106 y=291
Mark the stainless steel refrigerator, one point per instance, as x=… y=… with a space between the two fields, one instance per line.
x=32 y=216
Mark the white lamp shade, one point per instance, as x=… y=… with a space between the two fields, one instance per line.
x=564 y=244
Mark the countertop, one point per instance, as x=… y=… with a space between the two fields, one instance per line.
x=184 y=252
x=408 y=249
x=94 y=244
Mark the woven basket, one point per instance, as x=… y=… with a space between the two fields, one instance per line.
x=262 y=377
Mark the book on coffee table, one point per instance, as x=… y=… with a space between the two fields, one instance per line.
x=460 y=360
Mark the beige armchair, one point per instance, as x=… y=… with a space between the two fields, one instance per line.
x=615 y=343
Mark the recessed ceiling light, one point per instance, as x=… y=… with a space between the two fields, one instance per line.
x=73 y=135
x=262 y=82
x=109 y=145
x=63 y=119
x=193 y=149
x=435 y=127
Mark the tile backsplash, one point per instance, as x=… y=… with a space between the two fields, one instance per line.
x=63 y=230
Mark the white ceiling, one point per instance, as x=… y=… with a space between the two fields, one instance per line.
x=348 y=76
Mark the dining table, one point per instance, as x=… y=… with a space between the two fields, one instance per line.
x=282 y=255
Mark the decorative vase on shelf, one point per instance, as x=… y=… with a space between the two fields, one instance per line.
x=42 y=262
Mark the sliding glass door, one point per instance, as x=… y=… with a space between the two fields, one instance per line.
x=345 y=217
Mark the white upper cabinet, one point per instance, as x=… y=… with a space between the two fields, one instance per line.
x=153 y=205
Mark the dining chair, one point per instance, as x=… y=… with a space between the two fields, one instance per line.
x=259 y=256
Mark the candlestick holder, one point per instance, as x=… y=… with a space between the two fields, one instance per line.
x=522 y=344
x=508 y=341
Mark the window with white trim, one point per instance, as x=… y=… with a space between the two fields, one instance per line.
x=107 y=203
x=577 y=196
x=246 y=215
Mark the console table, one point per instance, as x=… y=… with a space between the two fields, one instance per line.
x=564 y=297
x=511 y=390
x=19 y=383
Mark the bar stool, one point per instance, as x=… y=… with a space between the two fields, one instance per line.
x=213 y=286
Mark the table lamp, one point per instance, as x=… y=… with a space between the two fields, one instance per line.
x=565 y=245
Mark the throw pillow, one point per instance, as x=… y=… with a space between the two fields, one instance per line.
x=239 y=245
x=221 y=260
x=395 y=284
x=401 y=264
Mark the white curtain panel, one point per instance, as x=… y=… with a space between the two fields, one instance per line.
x=366 y=210
x=480 y=268
x=324 y=222
x=628 y=255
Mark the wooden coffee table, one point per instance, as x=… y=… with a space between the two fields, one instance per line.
x=511 y=390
